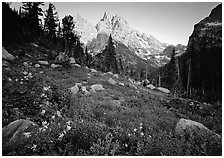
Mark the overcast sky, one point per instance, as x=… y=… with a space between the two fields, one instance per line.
x=169 y=22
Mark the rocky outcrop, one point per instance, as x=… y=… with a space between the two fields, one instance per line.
x=204 y=55
x=6 y=55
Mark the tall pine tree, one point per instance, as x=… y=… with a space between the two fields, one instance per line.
x=50 y=22
x=111 y=61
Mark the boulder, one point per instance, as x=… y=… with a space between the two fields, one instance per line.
x=111 y=81
x=93 y=70
x=164 y=90
x=185 y=125
x=62 y=57
x=116 y=75
x=15 y=132
x=97 y=87
x=121 y=84
x=6 y=55
x=74 y=90
x=55 y=65
x=150 y=86
x=77 y=65
x=43 y=62
x=37 y=65
x=110 y=73
x=72 y=60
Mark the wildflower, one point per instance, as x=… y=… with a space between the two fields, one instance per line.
x=21 y=82
x=68 y=128
x=25 y=73
x=129 y=134
x=46 y=88
x=34 y=147
x=43 y=112
x=142 y=134
x=58 y=114
x=69 y=122
x=135 y=129
x=126 y=144
x=10 y=80
x=16 y=79
x=27 y=134
x=61 y=135
x=53 y=116
x=44 y=123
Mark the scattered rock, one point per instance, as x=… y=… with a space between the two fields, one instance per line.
x=43 y=62
x=130 y=80
x=25 y=64
x=164 y=90
x=133 y=86
x=93 y=70
x=55 y=65
x=116 y=102
x=14 y=133
x=110 y=73
x=116 y=75
x=138 y=83
x=62 y=57
x=37 y=65
x=92 y=91
x=41 y=72
x=145 y=82
x=150 y=86
x=77 y=65
x=111 y=81
x=97 y=87
x=78 y=84
x=121 y=84
x=5 y=63
x=83 y=89
x=58 y=114
x=75 y=90
x=6 y=55
x=72 y=60
x=34 y=44
x=86 y=67
x=84 y=82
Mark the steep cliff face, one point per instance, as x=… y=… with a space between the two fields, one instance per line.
x=204 y=55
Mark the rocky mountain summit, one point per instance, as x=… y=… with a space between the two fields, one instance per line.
x=143 y=45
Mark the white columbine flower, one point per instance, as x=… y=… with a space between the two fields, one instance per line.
x=27 y=134
x=135 y=129
x=53 y=116
x=43 y=112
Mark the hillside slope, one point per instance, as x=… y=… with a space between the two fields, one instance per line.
x=120 y=119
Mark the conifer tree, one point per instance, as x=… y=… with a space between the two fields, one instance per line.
x=111 y=61
x=67 y=30
x=50 y=22
x=32 y=11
